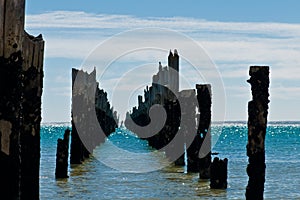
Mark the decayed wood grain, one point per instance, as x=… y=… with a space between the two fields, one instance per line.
x=257 y=125
x=1 y=26
x=13 y=26
x=21 y=86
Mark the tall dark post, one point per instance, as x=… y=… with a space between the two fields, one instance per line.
x=187 y=99
x=173 y=63
x=82 y=105
x=218 y=174
x=257 y=125
x=76 y=144
x=90 y=107
x=62 y=155
x=21 y=84
x=204 y=102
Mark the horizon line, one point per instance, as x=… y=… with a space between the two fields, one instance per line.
x=227 y=121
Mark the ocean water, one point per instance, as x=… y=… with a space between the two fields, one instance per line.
x=102 y=176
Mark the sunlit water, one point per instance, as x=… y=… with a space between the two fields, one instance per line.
x=95 y=180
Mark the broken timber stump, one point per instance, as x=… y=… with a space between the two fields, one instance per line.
x=187 y=99
x=257 y=125
x=21 y=83
x=204 y=102
x=62 y=155
x=218 y=174
x=93 y=119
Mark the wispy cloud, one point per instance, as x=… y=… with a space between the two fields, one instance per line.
x=239 y=44
x=232 y=46
x=70 y=19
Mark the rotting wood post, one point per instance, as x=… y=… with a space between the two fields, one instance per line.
x=76 y=154
x=90 y=109
x=204 y=129
x=187 y=99
x=80 y=105
x=174 y=146
x=62 y=155
x=179 y=143
x=257 y=125
x=218 y=174
x=21 y=83
x=33 y=51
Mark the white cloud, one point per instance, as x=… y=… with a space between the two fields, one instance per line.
x=232 y=46
x=70 y=19
x=240 y=44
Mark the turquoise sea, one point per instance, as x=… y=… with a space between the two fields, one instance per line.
x=95 y=180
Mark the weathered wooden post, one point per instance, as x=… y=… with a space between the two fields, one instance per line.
x=78 y=122
x=90 y=107
x=62 y=155
x=204 y=102
x=171 y=137
x=21 y=83
x=187 y=99
x=257 y=125
x=179 y=143
x=218 y=174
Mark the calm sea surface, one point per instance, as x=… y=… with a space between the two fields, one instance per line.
x=124 y=152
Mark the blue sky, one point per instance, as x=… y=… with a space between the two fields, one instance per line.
x=234 y=34
x=216 y=10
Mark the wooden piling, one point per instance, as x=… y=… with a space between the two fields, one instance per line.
x=62 y=155
x=218 y=174
x=90 y=109
x=21 y=83
x=187 y=99
x=203 y=132
x=257 y=125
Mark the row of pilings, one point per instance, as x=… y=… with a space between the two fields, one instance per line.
x=184 y=128
x=180 y=130
x=93 y=119
x=21 y=85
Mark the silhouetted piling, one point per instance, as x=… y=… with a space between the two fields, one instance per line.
x=92 y=116
x=76 y=154
x=188 y=127
x=203 y=132
x=218 y=174
x=62 y=155
x=21 y=83
x=174 y=147
x=163 y=91
x=257 y=125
